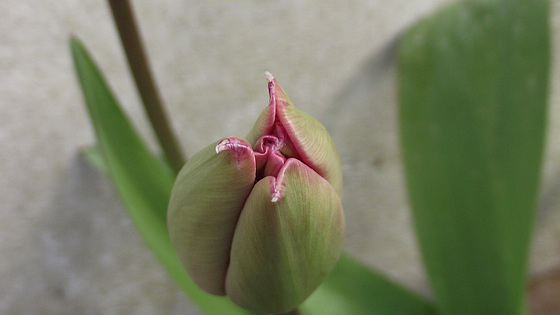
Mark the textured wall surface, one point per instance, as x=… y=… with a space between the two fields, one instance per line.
x=66 y=243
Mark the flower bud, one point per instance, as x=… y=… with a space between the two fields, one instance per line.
x=260 y=220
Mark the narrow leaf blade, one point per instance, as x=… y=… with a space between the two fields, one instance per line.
x=143 y=182
x=353 y=288
x=95 y=158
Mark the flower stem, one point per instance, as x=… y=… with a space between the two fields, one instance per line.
x=138 y=63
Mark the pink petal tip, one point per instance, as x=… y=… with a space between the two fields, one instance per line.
x=269 y=76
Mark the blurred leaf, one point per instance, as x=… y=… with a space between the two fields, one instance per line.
x=473 y=82
x=94 y=156
x=143 y=182
x=355 y=289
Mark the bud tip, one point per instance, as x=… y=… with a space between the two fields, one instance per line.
x=221 y=147
x=276 y=196
x=269 y=76
x=233 y=144
x=277 y=191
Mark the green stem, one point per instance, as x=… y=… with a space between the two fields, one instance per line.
x=138 y=63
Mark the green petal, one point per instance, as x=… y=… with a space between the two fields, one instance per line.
x=309 y=138
x=205 y=203
x=283 y=249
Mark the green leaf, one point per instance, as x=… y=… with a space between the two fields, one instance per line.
x=143 y=182
x=95 y=158
x=473 y=82
x=352 y=288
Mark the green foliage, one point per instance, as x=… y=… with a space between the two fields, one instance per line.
x=473 y=82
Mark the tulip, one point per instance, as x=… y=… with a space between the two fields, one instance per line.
x=260 y=220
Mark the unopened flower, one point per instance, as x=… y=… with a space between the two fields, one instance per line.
x=260 y=220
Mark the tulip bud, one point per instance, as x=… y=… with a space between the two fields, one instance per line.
x=260 y=220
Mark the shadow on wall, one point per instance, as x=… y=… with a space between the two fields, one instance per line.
x=363 y=114
x=363 y=121
x=92 y=259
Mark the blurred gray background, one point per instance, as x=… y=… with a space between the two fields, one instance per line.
x=66 y=243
